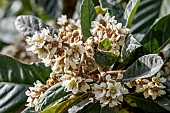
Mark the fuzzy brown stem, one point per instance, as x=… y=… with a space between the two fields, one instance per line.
x=115 y=72
x=80 y=65
x=93 y=71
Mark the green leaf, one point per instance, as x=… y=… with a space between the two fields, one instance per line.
x=146 y=104
x=158 y=36
x=53 y=94
x=29 y=110
x=114 y=8
x=99 y=10
x=106 y=58
x=128 y=50
x=12 y=97
x=105 y=44
x=145 y=66
x=164 y=101
x=130 y=101
x=165 y=9
x=96 y=2
x=88 y=14
x=15 y=78
x=28 y=25
x=63 y=106
x=82 y=105
x=146 y=15
x=51 y=7
x=166 y=51
x=96 y=108
x=14 y=71
x=130 y=11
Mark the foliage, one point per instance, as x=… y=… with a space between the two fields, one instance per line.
x=15 y=78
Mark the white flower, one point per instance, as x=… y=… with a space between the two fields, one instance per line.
x=39 y=39
x=83 y=86
x=151 y=86
x=70 y=61
x=59 y=65
x=34 y=94
x=73 y=109
x=76 y=49
x=107 y=27
x=110 y=92
x=62 y=20
x=71 y=85
x=48 y=61
x=73 y=25
x=45 y=46
x=113 y=89
x=74 y=84
x=90 y=44
x=158 y=79
x=89 y=51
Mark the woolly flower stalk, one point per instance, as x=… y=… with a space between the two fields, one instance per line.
x=151 y=86
x=109 y=92
x=107 y=27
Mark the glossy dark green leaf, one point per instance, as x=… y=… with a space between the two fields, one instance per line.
x=114 y=8
x=15 y=78
x=14 y=71
x=145 y=66
x=96 y=108
x=130 y=11
x=12 y=97
x=166 y=51
x=53 y=94
x=29 y=110
x=146 y=15
x=165 y=9
x=28 y=25
x=63 y=106
x=164 y=101
x=105 y=44
x=106 y=58
x=146 y=104
x=158 y=36
x=88 y=14
x=128 y=50
x=51 y=7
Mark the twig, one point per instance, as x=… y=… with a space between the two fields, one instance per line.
x=115 y=72
x=93 y=71
x=81 y=62
x=97 y=65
